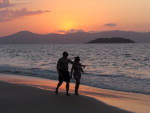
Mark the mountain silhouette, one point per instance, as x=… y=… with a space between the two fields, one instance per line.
x=26 y=37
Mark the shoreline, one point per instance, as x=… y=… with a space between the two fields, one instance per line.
x=133 y=102
x=85 y=84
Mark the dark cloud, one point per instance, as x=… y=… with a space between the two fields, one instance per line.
x=110 y=24
x=5 y=3
x=8 y=15
x=80 y=30
x=71 y=31
x=61 y=31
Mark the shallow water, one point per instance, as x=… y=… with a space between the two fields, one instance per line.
x=124 y=67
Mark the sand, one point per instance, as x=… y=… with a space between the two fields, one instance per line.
x=23 y=99
x=23 y=94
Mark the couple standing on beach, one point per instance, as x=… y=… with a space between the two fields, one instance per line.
x=64 y=75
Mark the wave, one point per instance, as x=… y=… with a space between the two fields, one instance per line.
x=113 y=82
x=36 y=72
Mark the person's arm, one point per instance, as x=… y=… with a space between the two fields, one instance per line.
x=83 y=66
x=82 y=71
x=58 y=68
x=72 y=70
x=58 y=65
x=70 y=61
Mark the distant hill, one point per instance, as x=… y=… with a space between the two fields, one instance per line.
x=26 y=37
x=111 y=40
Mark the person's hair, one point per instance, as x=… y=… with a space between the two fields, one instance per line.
x=65 y=53
x=77 y=59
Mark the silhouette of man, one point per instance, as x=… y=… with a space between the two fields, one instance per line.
x=62 y=68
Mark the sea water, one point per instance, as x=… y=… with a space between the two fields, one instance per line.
x=123 y=67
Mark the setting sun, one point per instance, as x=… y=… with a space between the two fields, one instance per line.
x=68 y=25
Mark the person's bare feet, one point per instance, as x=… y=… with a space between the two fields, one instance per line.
x=76 y=93
x=68 y=94
x=56 y=92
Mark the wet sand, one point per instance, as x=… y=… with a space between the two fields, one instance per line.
x=24 y=94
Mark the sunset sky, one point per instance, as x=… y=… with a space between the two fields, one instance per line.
x=47 y=16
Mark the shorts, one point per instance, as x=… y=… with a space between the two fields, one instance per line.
x=64 y=76
x=77 y=75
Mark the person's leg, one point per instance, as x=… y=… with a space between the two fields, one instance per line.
x=67 y=79
x=77 y=86
x=67 y=88
x=58 y=85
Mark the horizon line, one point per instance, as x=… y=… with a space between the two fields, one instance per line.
x=74 y=32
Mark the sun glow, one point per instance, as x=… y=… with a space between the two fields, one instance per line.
x=67 y=22
x=67 y=25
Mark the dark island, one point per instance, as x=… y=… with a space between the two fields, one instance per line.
x=111 y=40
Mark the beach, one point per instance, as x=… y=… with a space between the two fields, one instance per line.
x=22 y=94
x=102 y=46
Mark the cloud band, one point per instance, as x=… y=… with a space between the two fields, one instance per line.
x=8 y=15
x=110 y=24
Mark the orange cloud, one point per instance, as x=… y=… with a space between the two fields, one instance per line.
x=8 y=15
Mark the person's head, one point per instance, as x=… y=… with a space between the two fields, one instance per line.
x=77 y=59
x=65 y=54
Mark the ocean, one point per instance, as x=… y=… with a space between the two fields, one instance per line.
x=122 y=67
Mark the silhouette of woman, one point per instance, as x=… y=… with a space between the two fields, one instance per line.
x=76 y=71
